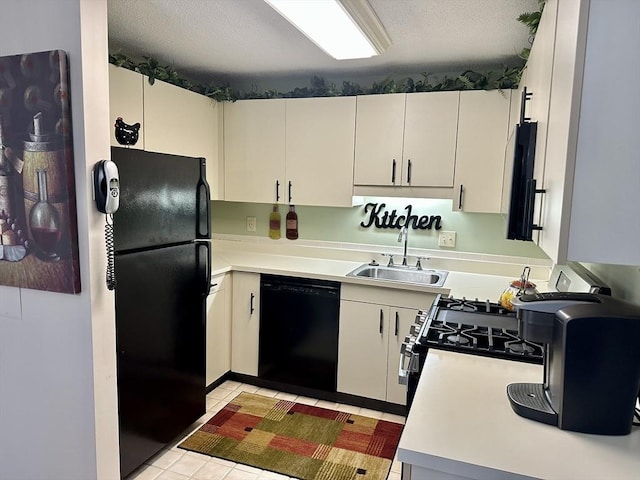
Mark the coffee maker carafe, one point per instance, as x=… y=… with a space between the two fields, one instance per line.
x=591 y=362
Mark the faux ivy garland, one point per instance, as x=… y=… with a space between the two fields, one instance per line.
x=468 y=80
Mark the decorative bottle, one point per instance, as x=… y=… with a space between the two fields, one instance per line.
x=44 y=222
x=292 y=223
x=274 y=223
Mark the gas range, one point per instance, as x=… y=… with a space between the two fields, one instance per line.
x=476 y=327
x=467 y=326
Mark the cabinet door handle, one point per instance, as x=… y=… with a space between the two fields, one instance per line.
x=381 y=320
x=289 y=191
x=409 y=172
x=277 y=190
x=460 y=197
x=251 y=309
x=397 y=323
x=393 y=171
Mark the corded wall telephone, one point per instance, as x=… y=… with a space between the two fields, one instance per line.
x=106 y=186
x=106 y=192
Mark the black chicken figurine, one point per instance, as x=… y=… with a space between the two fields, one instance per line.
x=126 y=134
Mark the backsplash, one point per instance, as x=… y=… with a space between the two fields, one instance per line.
x=475 y=232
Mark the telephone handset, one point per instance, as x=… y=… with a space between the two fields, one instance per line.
x=106 y=192
x=106 y=186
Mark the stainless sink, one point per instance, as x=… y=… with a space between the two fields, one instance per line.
x=432 y=278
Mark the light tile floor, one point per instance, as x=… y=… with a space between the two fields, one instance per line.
x=174 y=463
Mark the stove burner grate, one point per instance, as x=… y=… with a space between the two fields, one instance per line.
x=460 y=305
x=497 y=342
x=465 y=305
x=468 y=326
x=458 y=339
x=520 y=347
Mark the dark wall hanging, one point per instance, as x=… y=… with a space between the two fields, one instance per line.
x=379 y=217
x=38 y=224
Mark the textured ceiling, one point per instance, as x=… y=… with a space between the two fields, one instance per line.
x=244 y=40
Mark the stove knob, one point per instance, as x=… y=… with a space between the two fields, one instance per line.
x=406 y=348
x=415 y=329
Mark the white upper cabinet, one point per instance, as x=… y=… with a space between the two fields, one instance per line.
x=538 y=84
x=293 y=151
x=430 y=132
x=591 y=169
x=406 y=139
x=182 y=122
x=126 y=102
x=483 y=128
x=173 y=120
x=514 y=119
x=254 y=151
x=379 y=137
x=319 y=151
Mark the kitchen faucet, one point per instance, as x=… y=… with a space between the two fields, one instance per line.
x=404 y=235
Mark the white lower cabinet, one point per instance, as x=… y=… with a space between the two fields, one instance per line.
x=362 y=349
x=218 y=328
x=400 y=321
x=373 y=324
x=245 y=323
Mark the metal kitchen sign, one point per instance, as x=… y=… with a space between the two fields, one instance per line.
x=382 y=218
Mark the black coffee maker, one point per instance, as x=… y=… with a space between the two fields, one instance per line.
x=591 y=362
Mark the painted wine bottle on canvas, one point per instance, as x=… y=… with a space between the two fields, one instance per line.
x=38 y=242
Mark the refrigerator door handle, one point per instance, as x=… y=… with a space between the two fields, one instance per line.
x=206 y=257
x=202 y=203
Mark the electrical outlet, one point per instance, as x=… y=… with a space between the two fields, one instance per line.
x=447 y=239
x=251 y=224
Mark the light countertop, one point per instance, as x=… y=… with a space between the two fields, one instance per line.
x=461 y=423
x=470 y=285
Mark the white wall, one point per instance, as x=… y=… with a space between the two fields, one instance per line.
x=58 y=407
x=607 y=174
x=624 y=280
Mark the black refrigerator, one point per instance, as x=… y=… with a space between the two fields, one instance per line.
x=162 y=272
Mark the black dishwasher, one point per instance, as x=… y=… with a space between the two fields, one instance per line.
x=299 y=331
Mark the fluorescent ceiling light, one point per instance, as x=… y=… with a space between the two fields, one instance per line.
x=342 y=28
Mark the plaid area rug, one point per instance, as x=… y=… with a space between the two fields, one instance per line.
x=309 y=443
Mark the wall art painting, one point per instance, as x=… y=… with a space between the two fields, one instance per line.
x=38 y=225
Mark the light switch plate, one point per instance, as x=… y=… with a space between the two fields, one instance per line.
x=447 y=239
x=251 y=224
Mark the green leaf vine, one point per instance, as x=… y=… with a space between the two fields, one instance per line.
x=506 y=78
x=531 y=20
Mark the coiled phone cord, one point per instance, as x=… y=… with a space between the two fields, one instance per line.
x=108 y=237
